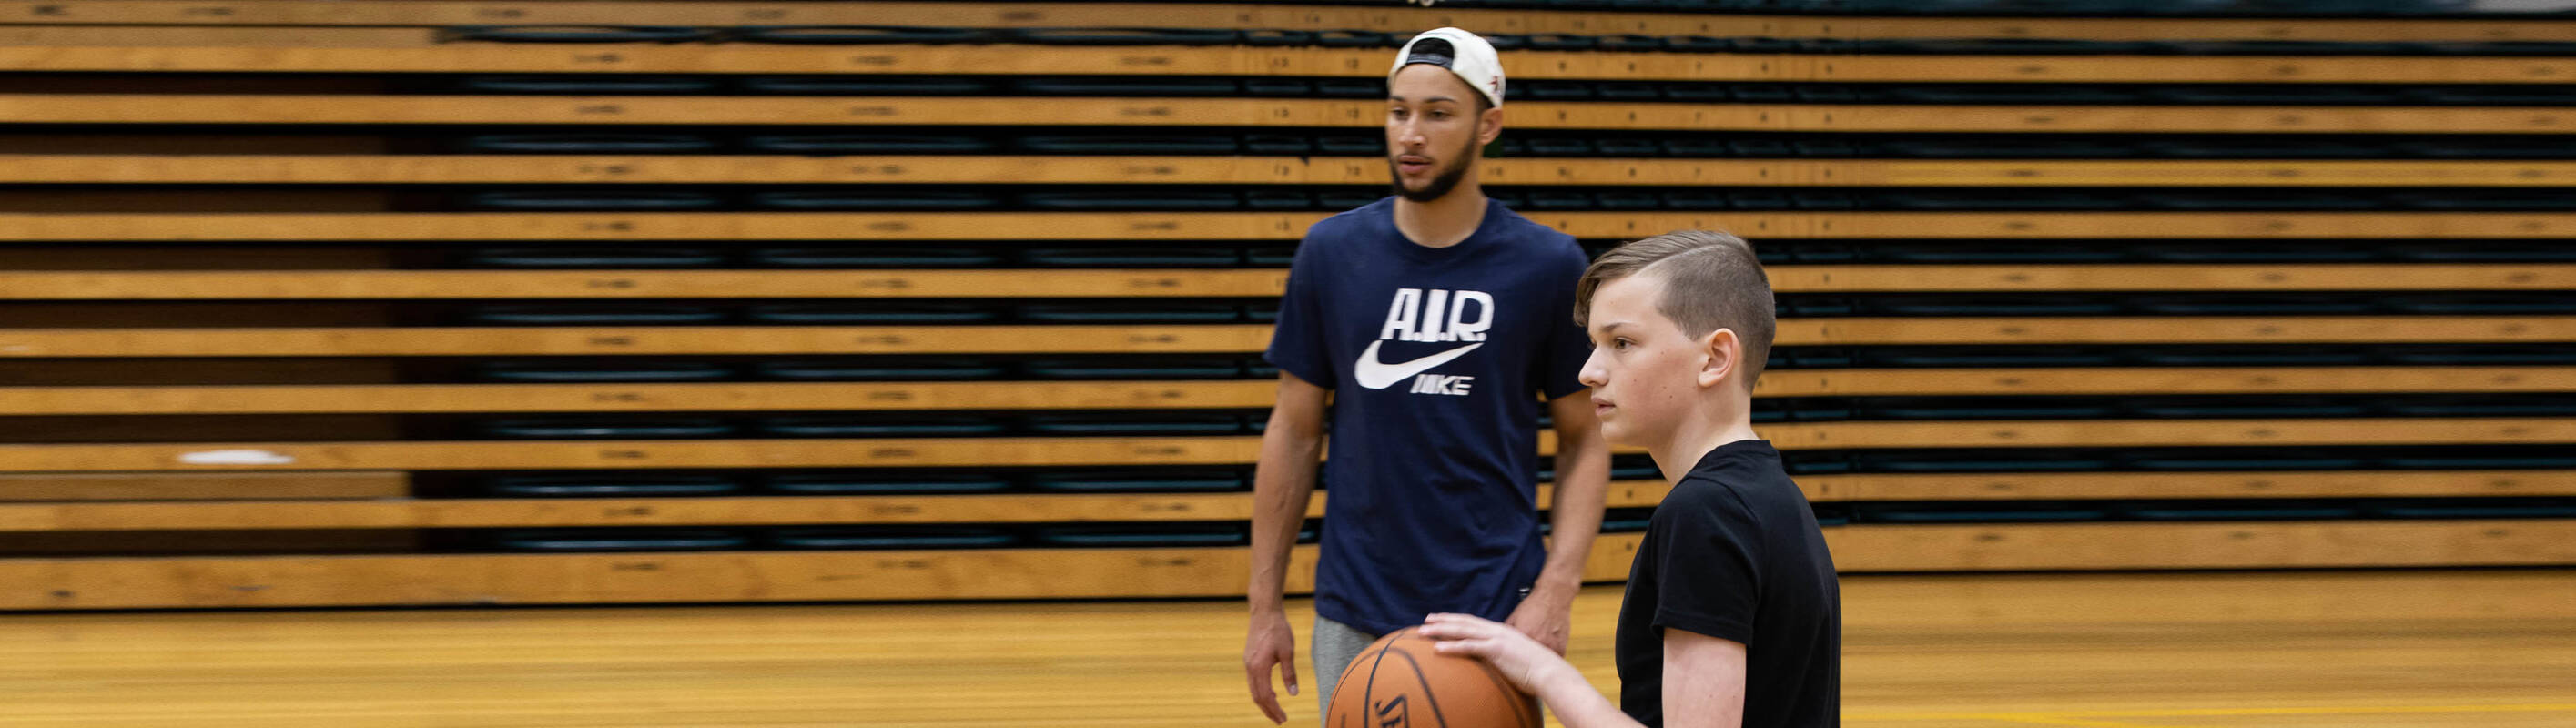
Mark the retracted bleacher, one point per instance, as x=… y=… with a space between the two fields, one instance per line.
x=370 y=302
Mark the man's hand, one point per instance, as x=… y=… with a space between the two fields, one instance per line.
x=1547 y=616
x=1270 y=643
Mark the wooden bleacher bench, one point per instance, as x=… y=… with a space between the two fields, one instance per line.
x=918 y=396
x=1214 y=450
x=1224 y=338
x=150 y=486
x=2184 y=485
x=351 y=50
x=728 y=396
x=28 y=108
x=1183 y=283
x=93 y=583
x=295 y=500
x=649 y=284
x=535 y=341
x=725 y=511
x=943 y=170
x=492 y=579
x=431 y=13
x=273 y=508
x=2031 y=547
x=427 y=227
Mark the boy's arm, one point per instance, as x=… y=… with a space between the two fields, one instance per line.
x=1582 y=482
x=1703 y=687
x=1703 y=681
x=1283 y=485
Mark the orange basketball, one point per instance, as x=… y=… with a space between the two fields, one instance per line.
x=1400 y=682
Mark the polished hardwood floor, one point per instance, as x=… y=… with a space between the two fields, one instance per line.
x=2241 y=650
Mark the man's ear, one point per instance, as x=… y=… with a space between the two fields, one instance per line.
x=1489 y=126
x=1722 y=352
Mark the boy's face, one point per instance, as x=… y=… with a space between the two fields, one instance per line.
x=1644 y=371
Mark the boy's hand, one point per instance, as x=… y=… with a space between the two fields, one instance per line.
x=1521 y=660
x=1547 y=616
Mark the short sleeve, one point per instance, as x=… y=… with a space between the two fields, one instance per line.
x=1567 y=347
x=1707 y=581
x=1297 y=339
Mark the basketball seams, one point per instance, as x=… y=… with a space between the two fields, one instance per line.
x=1428 y=695
x=1520 y=708
x=1522 y=713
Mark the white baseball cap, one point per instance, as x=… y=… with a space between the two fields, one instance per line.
x=1463 y=53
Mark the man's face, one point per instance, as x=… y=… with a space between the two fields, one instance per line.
x=1432 y=131
x=1644 y=370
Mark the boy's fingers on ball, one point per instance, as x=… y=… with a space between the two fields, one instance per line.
x=1445 y=630
x=1469 y=646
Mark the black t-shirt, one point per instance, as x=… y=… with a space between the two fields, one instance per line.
x=1734 y=553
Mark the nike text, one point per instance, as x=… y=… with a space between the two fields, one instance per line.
x=1442 y=384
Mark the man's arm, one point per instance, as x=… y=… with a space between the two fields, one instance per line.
x=1582 y=482
x=1282 y=487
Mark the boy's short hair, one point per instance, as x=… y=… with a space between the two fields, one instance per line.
x=1712 y=281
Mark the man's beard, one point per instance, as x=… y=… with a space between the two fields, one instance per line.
x=1441 y=183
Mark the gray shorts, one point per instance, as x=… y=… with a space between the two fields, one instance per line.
x=1336 y=645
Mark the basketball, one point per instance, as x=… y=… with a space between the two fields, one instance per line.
x=1400 y=682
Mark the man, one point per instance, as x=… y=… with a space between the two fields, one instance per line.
x=1433 y=322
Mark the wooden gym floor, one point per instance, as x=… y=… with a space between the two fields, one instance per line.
x=2361 y=649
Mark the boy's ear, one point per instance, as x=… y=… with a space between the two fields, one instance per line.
x=1721 y=351
x=1489 y=127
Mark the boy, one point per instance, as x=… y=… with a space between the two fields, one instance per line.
x=1733 y=615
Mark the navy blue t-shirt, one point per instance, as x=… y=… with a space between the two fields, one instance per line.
x=1437 y=358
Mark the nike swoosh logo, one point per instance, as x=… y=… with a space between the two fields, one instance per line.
x=1367 y=372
